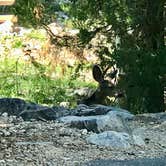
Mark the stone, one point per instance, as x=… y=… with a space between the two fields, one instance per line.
x=88 y=122
x=12 y=106
x=115 y=139
x=28 y=110
x=39 y=113
x=113 y=120
x=137 y=140
x=83 y=110
x=111 y=139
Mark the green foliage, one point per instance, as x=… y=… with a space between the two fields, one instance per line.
x=143 y=81
x=25 y=77
x=33 y=13
x=29 y=81
x=134 y=32
x=36 y=34
x=133 y=41
x=25 y=10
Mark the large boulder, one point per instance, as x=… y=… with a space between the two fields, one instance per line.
x=116 y=140
x=28 y=110
x=116 y=119
x=111 y=139
x=12 y=106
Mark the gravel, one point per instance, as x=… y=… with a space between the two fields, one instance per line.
x=55 y=144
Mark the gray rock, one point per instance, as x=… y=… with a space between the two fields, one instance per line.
x=137 y=140
x=84 y=110
x=88 y=122
x=113 y=120
x=91 y=112
x=109 y=122
x=111 y=139
x=39 y=113
x=115 y=139
x=13 y=106
x=27 y=110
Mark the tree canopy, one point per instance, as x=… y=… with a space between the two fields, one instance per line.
x=135 y=31
x=130 y=35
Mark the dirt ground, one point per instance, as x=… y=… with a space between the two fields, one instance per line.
x=38 y=143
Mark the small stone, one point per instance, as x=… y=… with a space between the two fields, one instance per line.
x=64 y=104
x=3 y=141
x=84 y=132
x=7 y=155
x=138 y=140
x=2 y=162
x=5 y=115
x=151 y=123
x=142 y=152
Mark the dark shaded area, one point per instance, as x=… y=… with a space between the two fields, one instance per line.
x=28 y=110
x=161 y=161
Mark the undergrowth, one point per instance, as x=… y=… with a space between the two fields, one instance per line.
x=24 y=80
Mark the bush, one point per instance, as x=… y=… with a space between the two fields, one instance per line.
x=35 y=13
x=143 y=80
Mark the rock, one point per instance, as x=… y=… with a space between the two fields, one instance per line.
x=113 y=120
x=111 y=139
x=6 y=28
x=115 y=139
x=39 y=113
x=64 y=104
x=5 y=115
x=88 y=122
x=84 y=132
x=26 y=110
x=109 y=122
x=61 y=111
x=137 y=140
x=12 y=106
x=83 y=110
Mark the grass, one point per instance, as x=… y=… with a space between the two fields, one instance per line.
x=36 y=34
x=31 y=81
x=24 y=80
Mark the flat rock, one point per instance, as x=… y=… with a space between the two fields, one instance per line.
x=88 y=122
x=84 y=110
x=113 y=120
x=111 y=139
x=27 y=110
x=13 y=106
x=115 y=140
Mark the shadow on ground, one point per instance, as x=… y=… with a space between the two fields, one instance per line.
x=134 y=162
